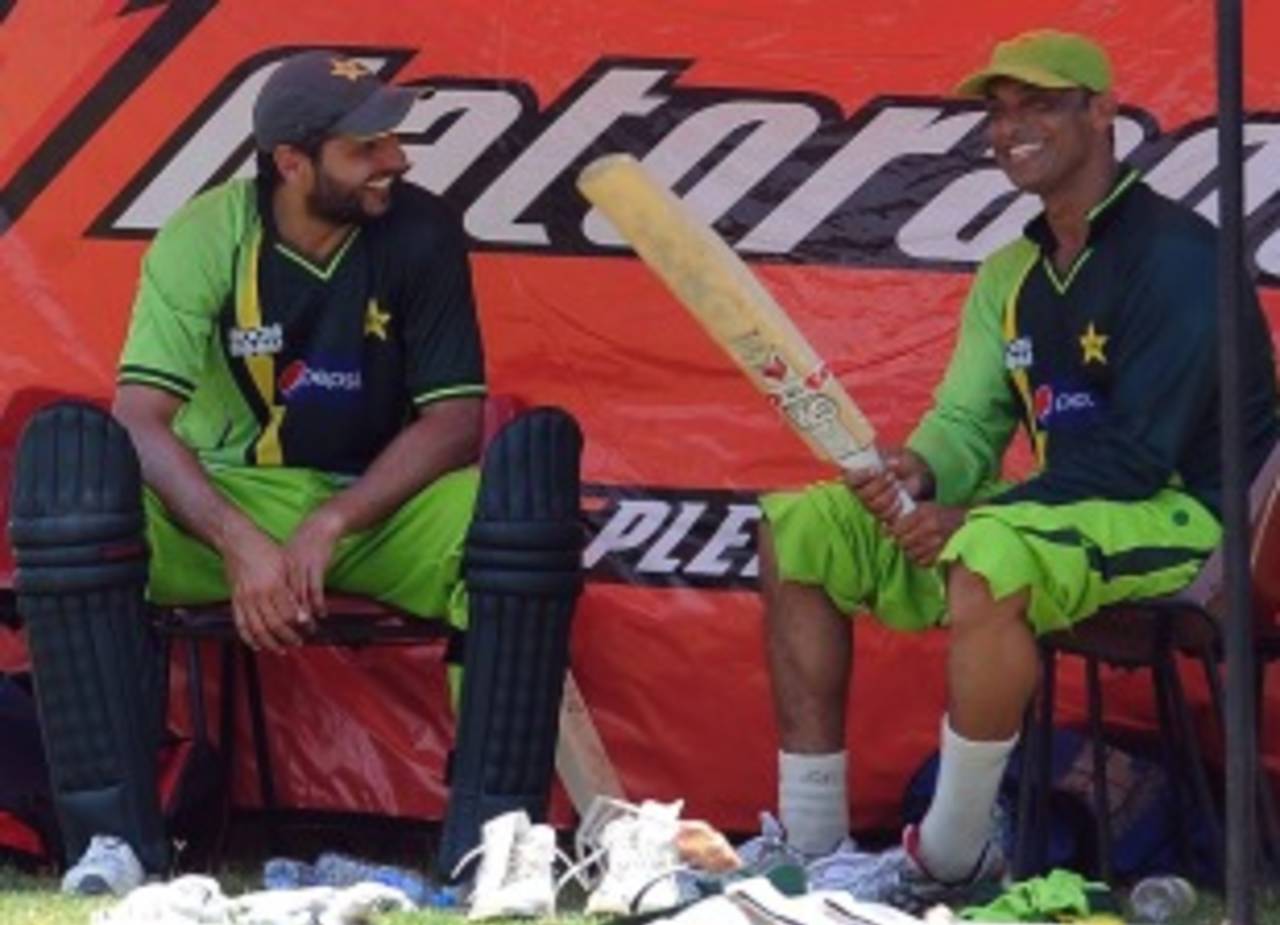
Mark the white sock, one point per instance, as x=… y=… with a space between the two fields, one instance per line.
x=957 y=826
x=813 y=802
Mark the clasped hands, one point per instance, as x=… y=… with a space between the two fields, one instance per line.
x=277 y=590
x=924 y=531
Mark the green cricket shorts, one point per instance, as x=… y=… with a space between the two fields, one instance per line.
x=1072 y=558
x=411 y=560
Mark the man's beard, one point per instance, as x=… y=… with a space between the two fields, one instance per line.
x=334 y=202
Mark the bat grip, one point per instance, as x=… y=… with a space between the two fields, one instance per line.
x=870 y=458
x=906 y=503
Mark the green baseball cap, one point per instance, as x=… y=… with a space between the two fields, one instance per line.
x=1044 y=58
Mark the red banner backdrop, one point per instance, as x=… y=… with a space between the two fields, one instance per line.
x=821 y=140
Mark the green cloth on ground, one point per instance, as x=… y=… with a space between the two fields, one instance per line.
x=1059 y=896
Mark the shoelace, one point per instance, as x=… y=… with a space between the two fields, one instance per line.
x=634 y=905
x=465 y=860
x=577 y=869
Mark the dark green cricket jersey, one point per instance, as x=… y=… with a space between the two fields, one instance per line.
x=285 y=363
x=1111 y=367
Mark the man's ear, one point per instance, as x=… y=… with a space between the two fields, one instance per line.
x=1103 y=109
x=293 y=163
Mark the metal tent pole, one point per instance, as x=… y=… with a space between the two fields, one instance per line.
x=1241 y=732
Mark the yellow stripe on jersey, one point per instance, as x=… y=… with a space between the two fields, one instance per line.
x=1021 y=381
x=262 y=367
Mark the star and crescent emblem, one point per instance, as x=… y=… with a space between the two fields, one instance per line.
x=375 y=321
x=348 y=68
x=1093 y=346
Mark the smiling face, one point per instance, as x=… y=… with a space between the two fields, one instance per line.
x=351 y=178
x=1048 y=142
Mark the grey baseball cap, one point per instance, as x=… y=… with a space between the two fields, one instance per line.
x=319 y=93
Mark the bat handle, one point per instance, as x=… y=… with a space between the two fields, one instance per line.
x=869 y=458
x=906 y=503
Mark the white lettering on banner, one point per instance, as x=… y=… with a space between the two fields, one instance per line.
x=481 y=117
x=893 y=133
x=658 y=557
x=779 y=128
x=936 y=232
x=632 y=524
x=618 y=93
x=674 y=537
x=1186 y=166
x=900 y=182
x=729 y=535
x=1261 y=169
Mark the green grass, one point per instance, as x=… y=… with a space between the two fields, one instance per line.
x=34 y=900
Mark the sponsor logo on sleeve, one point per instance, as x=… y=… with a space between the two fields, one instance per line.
x=1018 y=354
x=255 y=342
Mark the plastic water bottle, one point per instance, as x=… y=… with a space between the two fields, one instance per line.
x=287 y=874
x=1160 y=899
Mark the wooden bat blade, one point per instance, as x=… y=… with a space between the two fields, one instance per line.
x=581 y=758
x=715 y=285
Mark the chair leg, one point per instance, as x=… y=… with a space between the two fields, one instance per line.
x=1270 y=840
x=1023 y=851
x=200 y=734
x=1199 y=776
x=1044 y=761
x=195 y=693
x=1169 y=752
x=1101 y=795
x=227 y=741
x=262 y=750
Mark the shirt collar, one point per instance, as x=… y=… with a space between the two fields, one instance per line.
x=1099 y=217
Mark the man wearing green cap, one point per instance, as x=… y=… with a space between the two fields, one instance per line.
x=1094 y=330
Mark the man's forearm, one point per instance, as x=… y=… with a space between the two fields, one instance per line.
x=443 y=438
x=174 y=473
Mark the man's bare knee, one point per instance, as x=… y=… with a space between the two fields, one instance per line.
x=971 y=604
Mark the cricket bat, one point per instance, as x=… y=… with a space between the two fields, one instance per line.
x=582 y=761
x=715 y=285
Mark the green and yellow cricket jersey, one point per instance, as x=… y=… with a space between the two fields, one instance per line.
x=1111 y=367
x=282 y=362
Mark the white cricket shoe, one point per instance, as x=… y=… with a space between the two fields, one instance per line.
x=108 y=865
x=515 y=878
x=641 y=861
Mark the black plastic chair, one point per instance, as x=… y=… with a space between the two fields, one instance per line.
x=1152 y=635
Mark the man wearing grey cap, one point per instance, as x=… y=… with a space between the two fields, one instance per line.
x=303 y=382
x=1093 y=331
